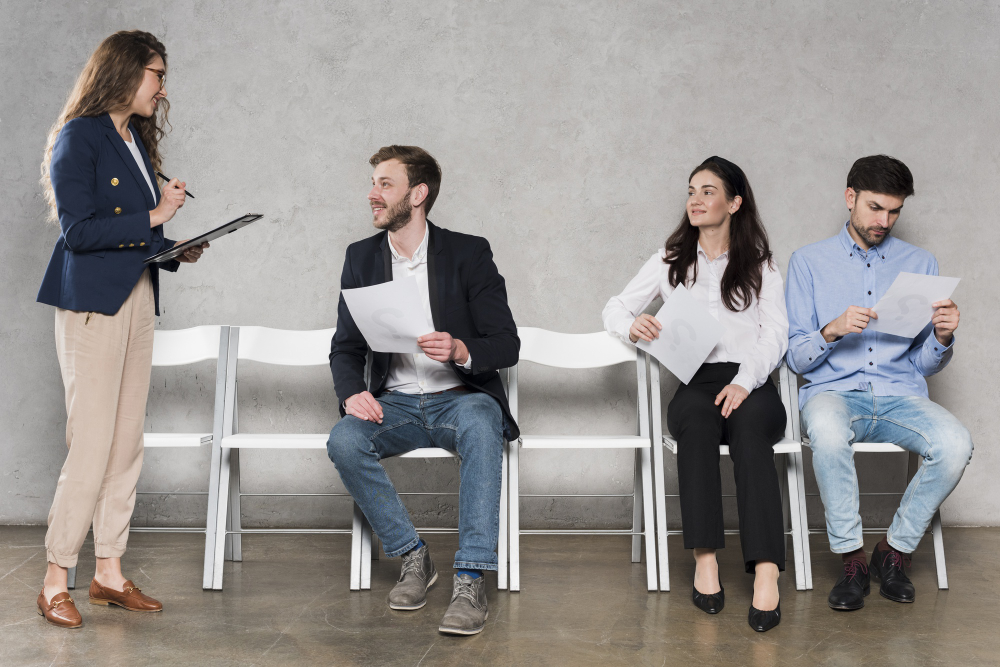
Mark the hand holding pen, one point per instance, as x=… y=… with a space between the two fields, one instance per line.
x=160 y=174
x=171 y=199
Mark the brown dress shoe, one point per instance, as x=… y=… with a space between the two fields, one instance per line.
x=131 y=598
x=60 y=610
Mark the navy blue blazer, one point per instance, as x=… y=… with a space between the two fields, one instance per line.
x=103 y=203
x=468 y=300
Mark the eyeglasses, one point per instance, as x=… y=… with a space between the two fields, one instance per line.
x=160 y=75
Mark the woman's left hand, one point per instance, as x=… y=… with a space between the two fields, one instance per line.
x=191 y=255
x=733 y=395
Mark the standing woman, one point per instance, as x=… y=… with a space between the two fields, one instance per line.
x=98 y=174
x=720 y=253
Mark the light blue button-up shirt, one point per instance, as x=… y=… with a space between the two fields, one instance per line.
x=824 y=280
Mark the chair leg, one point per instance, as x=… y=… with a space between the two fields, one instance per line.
x=648 y=512
x=356 y=529
x=234 y=541
x=502 y=557
x=71 y=578
x=795 y=461
x=211 y=517
x=637 y=508
x=794 y=520
x=514 y=512
x=366 y=554
x=938 y=533
x=221 y=523
x=661 y=517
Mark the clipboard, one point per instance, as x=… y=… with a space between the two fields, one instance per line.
x=228 y=228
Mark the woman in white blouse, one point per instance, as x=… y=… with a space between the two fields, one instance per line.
x=720 y=253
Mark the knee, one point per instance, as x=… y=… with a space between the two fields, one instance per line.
x=951 y=447
x=347 y=441
x=826 y=423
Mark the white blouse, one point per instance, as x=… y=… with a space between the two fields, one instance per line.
x=756 y=338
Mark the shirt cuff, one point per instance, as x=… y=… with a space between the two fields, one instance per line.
x=744 y=380
x=467 y=366
x=935 y=348
x=622 y=331
x=818 y=348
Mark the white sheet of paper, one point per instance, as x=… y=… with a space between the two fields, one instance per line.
x=905 y=309
x=689 y=334
x=390 y=316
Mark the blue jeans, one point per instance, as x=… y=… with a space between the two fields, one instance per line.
x=469 y=423
x=833 y=420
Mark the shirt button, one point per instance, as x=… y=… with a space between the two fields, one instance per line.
x=868 y=265
x=935 y=349
x=118 y=209
x=114 y=181
x=869 y=363
x=810 y=358
x=869 y=349
x=869 y=292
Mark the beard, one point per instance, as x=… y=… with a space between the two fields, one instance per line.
x=396 y=216
x=864 y=232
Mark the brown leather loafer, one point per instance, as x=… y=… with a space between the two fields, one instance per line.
x=60 y=610
x=131 y=598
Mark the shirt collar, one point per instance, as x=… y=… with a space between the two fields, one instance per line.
x=851 y=247
x=701 y=251
x=419 y=256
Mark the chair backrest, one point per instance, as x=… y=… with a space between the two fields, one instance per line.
x=179 y=347
x=579 y=351
x=562 y=350
x=283 y=347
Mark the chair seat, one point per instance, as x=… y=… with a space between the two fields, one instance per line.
x=783 y=446
x=583 y=441
x=869 y=447
x=176 y=439
x=313 y=441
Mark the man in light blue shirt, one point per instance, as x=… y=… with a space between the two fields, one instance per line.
x=866 y=386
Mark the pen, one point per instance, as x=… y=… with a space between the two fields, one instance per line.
x=167 y=179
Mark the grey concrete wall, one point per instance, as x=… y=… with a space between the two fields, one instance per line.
x=566 y=131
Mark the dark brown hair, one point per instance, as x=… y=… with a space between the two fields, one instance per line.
x=882 y=174
x=109 y=82
x=748 y=246
x=421 y=167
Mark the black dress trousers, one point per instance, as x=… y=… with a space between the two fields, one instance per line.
x=751 y=431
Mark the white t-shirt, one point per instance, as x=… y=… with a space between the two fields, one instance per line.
x=134 y=149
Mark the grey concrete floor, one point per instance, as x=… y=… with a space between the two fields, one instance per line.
x=582 y=603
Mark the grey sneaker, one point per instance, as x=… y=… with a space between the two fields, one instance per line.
x=416 y=577
x=467 y=613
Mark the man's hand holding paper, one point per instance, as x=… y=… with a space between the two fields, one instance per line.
x=912 y=301
x=390 y=315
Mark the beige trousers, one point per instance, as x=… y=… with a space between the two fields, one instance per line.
x=105 y=362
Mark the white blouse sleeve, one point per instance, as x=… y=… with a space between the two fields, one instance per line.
x=622 y=310
x=772 y=340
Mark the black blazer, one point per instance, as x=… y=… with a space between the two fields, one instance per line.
x=468 y=300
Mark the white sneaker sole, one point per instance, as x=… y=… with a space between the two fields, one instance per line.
x=459 y=631
x=399 y=607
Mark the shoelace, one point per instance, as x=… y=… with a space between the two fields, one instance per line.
x=411 y=564
x=851 y=569
x=467 y=590
x=897 y=559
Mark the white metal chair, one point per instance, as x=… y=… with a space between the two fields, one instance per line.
x=789 y=451
x=286 y=348
x=873 y=448
x=581 y=351
x=182 y=347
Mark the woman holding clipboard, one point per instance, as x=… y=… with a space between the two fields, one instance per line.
x=720 y=253
x=99 y=178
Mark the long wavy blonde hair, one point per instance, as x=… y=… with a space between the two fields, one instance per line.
x=109 y=82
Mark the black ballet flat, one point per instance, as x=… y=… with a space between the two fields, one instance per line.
x=709 y=603
x=762 y=621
